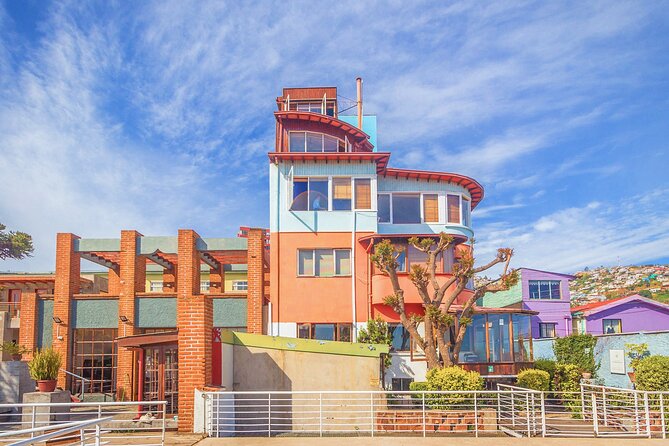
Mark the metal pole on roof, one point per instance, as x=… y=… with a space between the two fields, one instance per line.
x=358 y=82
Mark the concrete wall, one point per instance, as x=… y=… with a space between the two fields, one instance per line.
x=658 y=344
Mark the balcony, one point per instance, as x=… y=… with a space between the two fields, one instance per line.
x=381 y=287
x=12 y=308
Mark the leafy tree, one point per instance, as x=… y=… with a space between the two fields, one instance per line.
x=441 y=347
x=645 y=293
x=377 y=332
x=14 y=244
x=577 y=349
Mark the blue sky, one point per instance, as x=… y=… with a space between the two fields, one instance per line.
x=158 y=115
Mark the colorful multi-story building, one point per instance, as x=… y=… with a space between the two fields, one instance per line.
x=332 y=197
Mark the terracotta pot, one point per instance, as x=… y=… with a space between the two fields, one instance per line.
x=17 y=357
x=47 y=385
x=632 y=377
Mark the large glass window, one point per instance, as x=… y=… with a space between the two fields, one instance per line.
x=406 y=208
x=314 y=142
x=544 y=289
x=417 y=257
x=95 y=359
x=547 y=330
x=325 y=332
x=383 y=206
x=466 y=212
x=453 y=204
x=473 y=347
x=521 y=338
x=341 y=194
x=324 y=262
x=310 y=194
x=610 y=326
x=240 y=285
x=401 y=337
x=499 y=337
x=363 y=193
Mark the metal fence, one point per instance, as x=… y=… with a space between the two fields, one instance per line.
x=123 y=423
x=594 y=411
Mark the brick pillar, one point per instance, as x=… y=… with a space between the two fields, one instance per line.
x=28 y=323
x=256 y=280
x=195 y=322
x=132 y=280
x=67 y=283
x=114 y=281
x=170 y=280
x=216 y=280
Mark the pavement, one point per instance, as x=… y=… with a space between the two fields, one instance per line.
x=434 y=441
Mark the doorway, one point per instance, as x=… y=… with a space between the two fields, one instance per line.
x=160 y=376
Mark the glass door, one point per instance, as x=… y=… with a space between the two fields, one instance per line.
x=161 y=376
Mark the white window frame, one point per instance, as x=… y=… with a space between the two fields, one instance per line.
x=330 y=178
x=313 y=258
x=442 y=201
x=236 y=282
x=205 y=285
x=323 y=135
x=550 y=292
x=156 y=282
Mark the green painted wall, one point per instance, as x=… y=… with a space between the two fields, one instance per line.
x=156 y=312
x=44 y=323
x=95 y=313
x=229 y=312
x=511 y=296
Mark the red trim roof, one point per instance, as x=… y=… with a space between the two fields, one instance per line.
x=593 y=305
x=352 y=130
x=473 y=186
x=381 y=158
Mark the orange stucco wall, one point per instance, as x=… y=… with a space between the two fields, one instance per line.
x=315 y=299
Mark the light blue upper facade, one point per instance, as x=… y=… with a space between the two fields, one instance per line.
x=282 y=219
x=368 y=126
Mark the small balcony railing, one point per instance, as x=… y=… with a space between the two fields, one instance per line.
x=13 y=308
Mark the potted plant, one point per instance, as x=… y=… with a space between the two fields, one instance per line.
x=13 y=349
x=636 y=352
x=44 y=369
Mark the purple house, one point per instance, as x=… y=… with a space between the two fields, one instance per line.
x=622 y=315
x=541 y=291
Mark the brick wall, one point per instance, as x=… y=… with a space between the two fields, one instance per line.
x=114 y=281
x=67 y=283
x=256 y=280
x=216 y=280
x=195 y=323
x=28 y=323
x=132 y=279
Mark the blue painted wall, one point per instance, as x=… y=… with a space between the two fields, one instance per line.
x=95 y=313
x=230 y=312
x=44 y=323
x=156 y=312
x=658 y=344
x=368 y=126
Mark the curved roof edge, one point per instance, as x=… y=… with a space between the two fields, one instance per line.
x=329 y=120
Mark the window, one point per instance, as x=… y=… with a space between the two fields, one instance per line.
x=521 y=338
x=431 y=208
x=204 y=286
x=363 y=193
x=406 y=208
x=453 y=203
x=325 y=332
x=448 y=259
x=383 y=204
x=401 y=384
x=401 y=338
x=466 y=212
x=417 y=257
x=544 y=289
x=315 y=143
x=323 y=262
x=95 y=359
x=612 y=326
x=499 y=337
x=341 y=194
x=310 y=194
x=314 y=107
x=240 y=285
x=156 y=286
x=547 y=330
x=473 y=347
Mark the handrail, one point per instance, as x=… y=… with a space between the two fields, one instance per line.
x=64 y=428
x=83 y=382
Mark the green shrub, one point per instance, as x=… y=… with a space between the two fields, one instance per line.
x=578 y=350
x=534 y=379
x=45 y=365
x=652 y=373
x=547 y=365
x=377 y=332
x=451 y=379
x=568 y=379
x=418 y=386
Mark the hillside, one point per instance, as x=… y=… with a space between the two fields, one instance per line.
x=606 y=283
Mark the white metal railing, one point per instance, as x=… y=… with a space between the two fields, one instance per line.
x=593 y=411
x=124 y=423
x=83 y=382
x=63 y=429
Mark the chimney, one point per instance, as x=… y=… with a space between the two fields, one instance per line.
x=358 y=82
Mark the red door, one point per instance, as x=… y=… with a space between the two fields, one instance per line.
x=161 y=376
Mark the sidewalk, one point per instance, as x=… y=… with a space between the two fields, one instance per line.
x=435 y=441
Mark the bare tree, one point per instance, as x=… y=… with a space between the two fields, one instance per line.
x=443 y=337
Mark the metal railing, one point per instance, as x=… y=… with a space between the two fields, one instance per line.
x=125 y=423
x=83 y=382
x=63 y=429
x=594 y=411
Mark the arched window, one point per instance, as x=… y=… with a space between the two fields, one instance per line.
x=316 y=142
